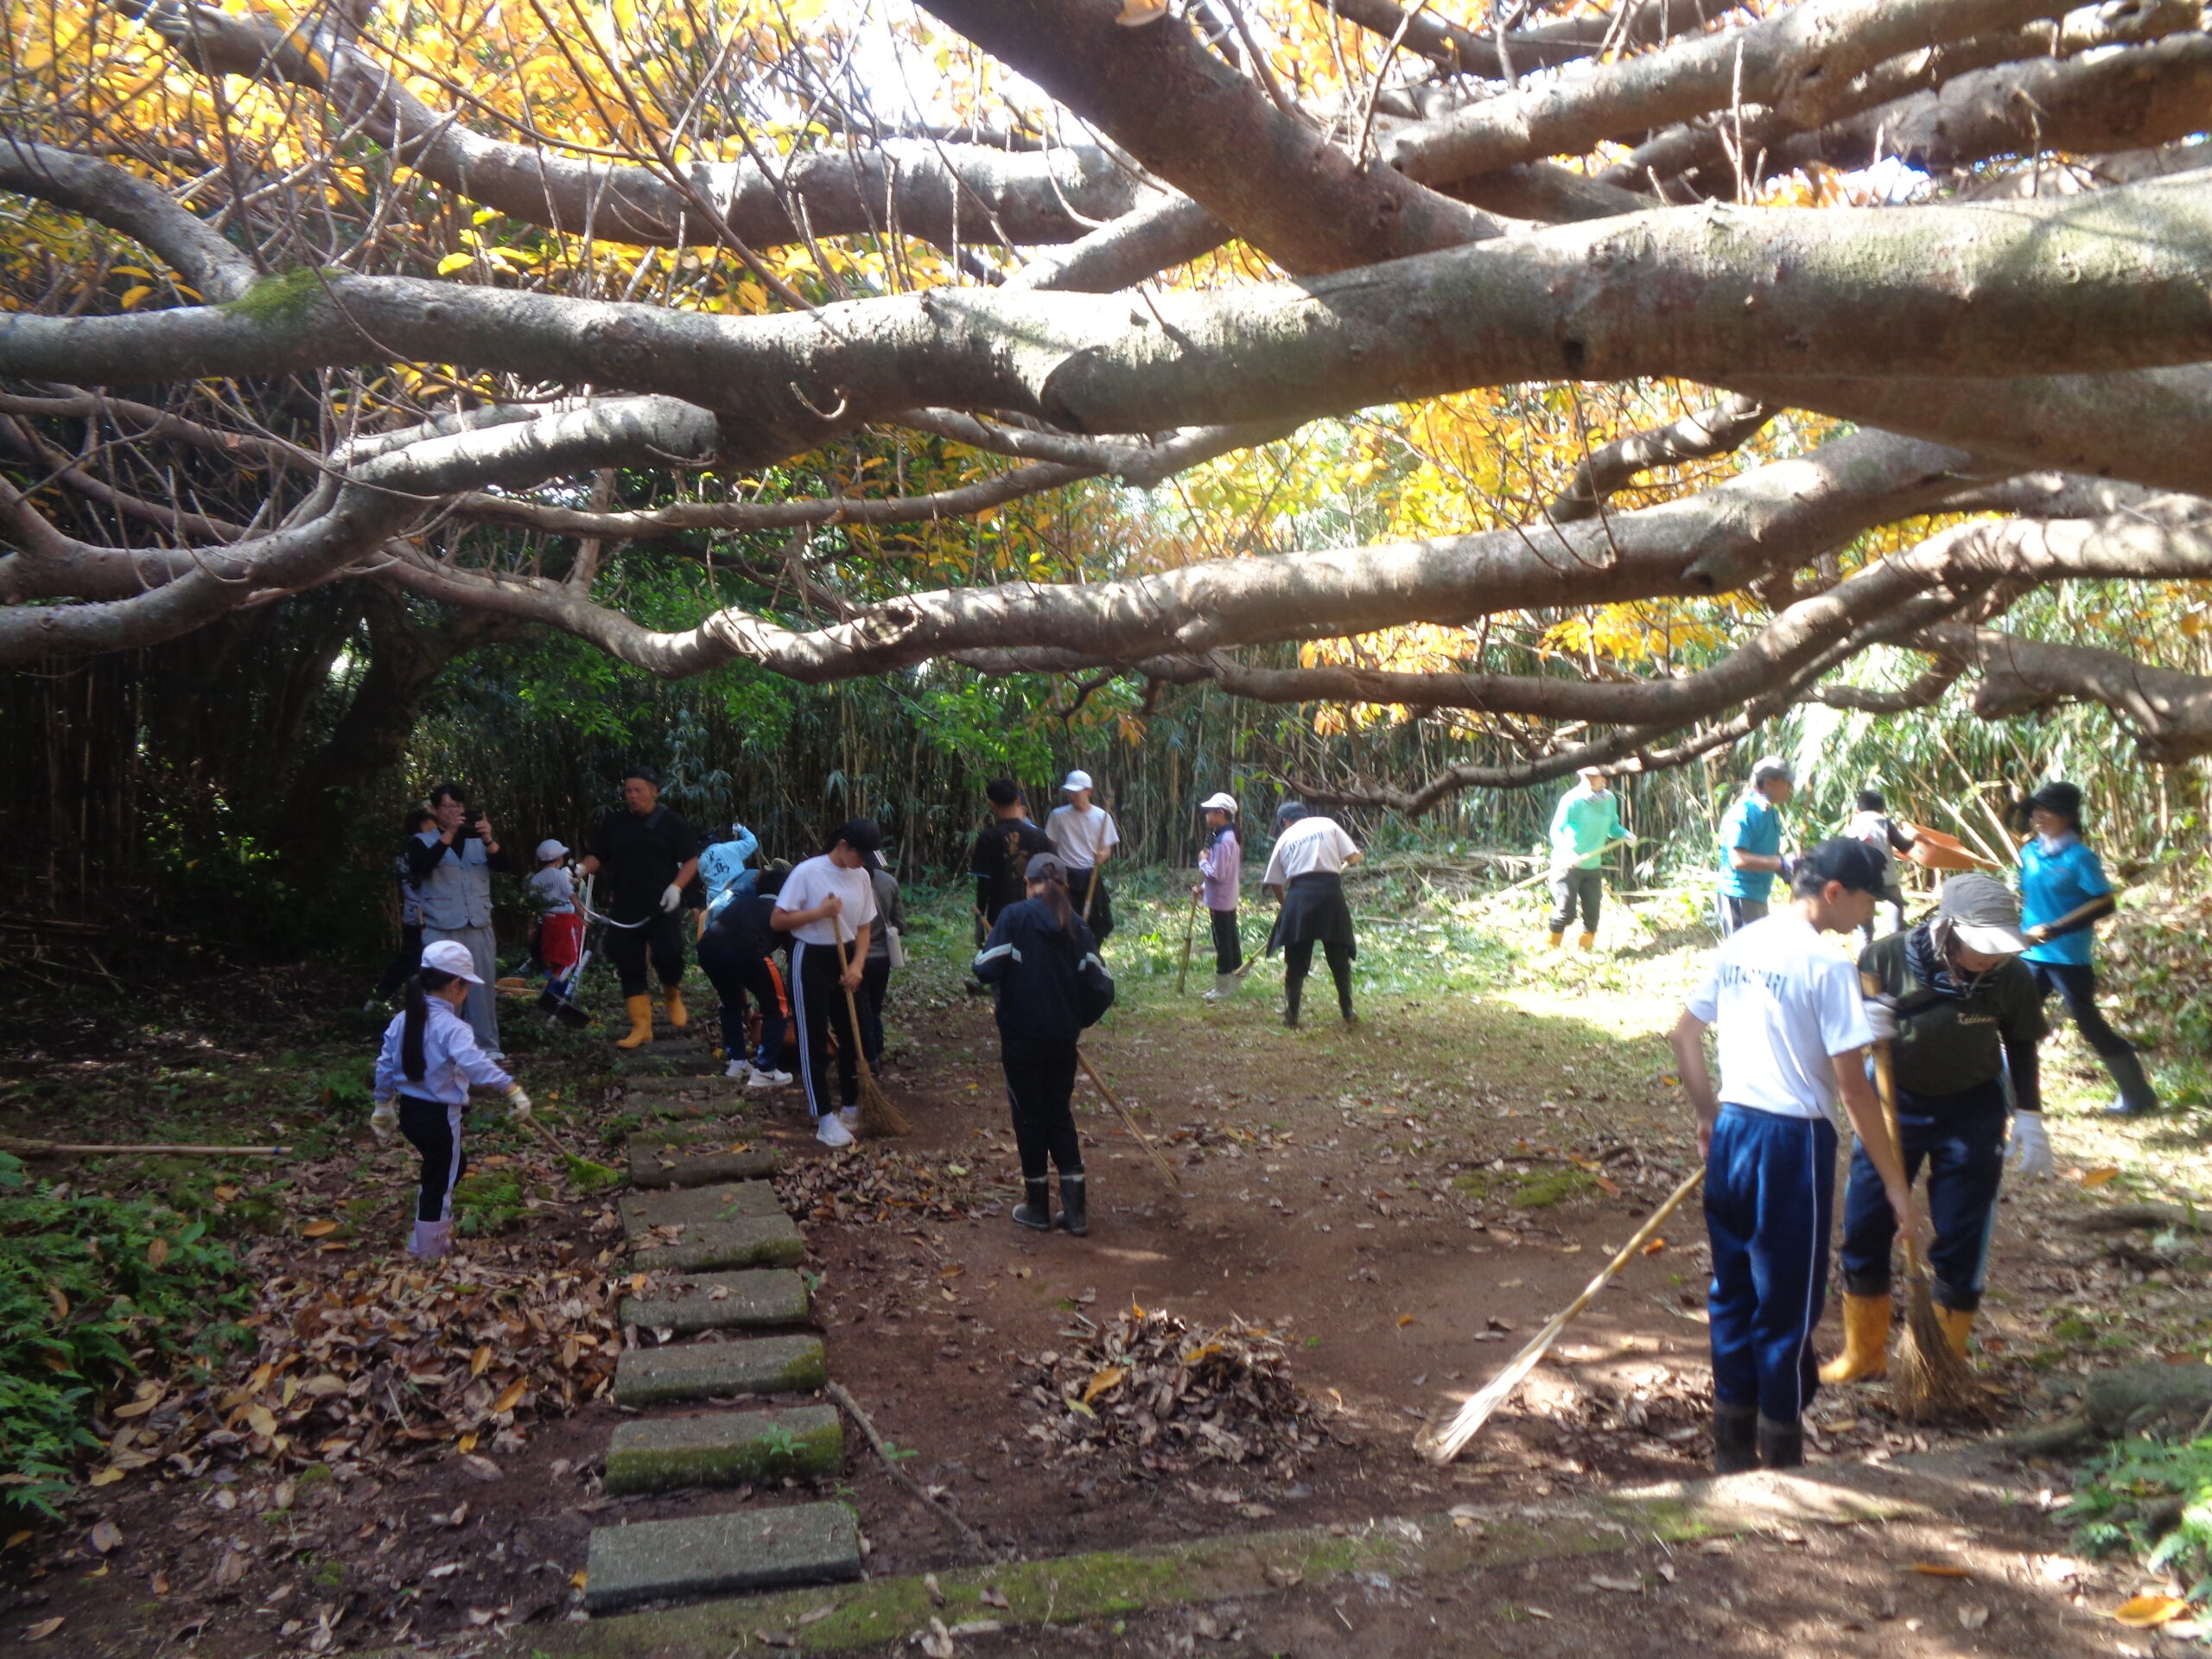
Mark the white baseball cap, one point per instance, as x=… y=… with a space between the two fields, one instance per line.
x=549 y=848
x=1772 y=765
x=451 y=956
x=1220 y=801
x=1589 y=771
x=1076 y=780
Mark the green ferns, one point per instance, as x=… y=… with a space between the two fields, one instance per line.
x=2152 y=1498
x=92 y=1291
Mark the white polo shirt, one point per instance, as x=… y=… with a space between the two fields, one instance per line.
x=814 y=880
x=1782 y=1006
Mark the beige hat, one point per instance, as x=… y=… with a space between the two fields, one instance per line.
x=1219 y=801
x=1984 y=915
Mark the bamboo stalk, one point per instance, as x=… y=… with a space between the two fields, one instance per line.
x=24 y=1148
x=1447 y=1443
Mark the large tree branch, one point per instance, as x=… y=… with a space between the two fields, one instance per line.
x=1633 y=24
x=1800 y=61
x=2097 y=283
x=1189 y=117
x=2169 y=713
x=941 y=191
x=106 y=195
x=1719 y=429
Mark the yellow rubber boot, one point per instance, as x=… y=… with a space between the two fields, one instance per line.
x=1958 y=1324
x=1865 y=1340
x=1554 y=941
x=1583 y=941
x=673 y=998
x=641 y=1022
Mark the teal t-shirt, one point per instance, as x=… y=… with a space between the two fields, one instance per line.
x=1754 y=825
x=1583 y=824
x=2053 y=883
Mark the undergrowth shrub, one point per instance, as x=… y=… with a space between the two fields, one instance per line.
x=2153 y=1499
x=94 y=1290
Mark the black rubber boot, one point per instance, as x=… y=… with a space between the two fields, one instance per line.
x=1735 y=1439
x=2136 y=1094
x=1781 y=1445
x=1035 y=1211
x=1293 y=993
x=1075 y=1213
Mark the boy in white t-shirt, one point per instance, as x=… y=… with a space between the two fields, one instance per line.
x=1791 y=1029
x=824 y=900
x=1085 y=836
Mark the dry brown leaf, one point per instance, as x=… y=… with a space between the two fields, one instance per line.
x=1135 y=14
x=1973 y=1617
x=1939 y=1570
x=1655 y=1246
x=992 y=1596
x=44 y=1627
x=2100 y=1175
x=227 y=1192
x=510 y=1396
x=105 y=1535
x=1101 y=1381
x=60 y=1302
x=319 y=1229
x=157 y=1252
x=481 y=1360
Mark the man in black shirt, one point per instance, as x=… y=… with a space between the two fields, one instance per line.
x=650 y=856
x=1003 y=853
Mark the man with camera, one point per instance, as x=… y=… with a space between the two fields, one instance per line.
x=452 y=862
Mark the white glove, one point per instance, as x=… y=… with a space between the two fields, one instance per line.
x=384 y=1120
x=2029 y=1152
x=671 y=899
x=518 y=1105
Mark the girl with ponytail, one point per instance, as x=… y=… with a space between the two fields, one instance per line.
x=429 y=1060
x=1044 y=960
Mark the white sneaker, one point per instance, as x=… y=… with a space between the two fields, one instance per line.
x=768 y=1080
x=850 y=1117
x=831 y=1132
x=740 y=1071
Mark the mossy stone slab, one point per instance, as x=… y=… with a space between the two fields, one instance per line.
x=721 y=1554
x=725 y=1448
x=721 y=1301
x=652 y=1376
x=745 y=1242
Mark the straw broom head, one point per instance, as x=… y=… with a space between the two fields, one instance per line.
x=1928 y=1381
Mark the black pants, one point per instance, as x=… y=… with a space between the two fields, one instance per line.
x=819 y=1006
x=1081 y=884
x=1298 y=962
x=1573 y=888
x=1227 y=948
x=736 y=975
x=1039 y=1082
x=404 y=961
x=433 y=1131
x=876 y=988
x=2077 y=983
x=626 y=947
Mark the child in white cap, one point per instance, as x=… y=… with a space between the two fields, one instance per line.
x=424 y=1071
x=1084 y=837
x=560 y=925
x=1220 y=864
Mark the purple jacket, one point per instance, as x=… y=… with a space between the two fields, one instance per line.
x=1219 y=865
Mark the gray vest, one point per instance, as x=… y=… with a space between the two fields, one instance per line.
x=457 y=893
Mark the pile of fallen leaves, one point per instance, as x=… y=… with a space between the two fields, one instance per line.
x=1147 y=1383
x=871 y=1183
x=358 y=1363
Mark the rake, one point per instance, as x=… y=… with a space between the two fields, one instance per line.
x=879 y=1117
x=1190 y=933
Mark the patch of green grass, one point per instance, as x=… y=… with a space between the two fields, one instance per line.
x=2153 y=1499
x=486 y=1201
x=1559 y=1186
x=585 y=1176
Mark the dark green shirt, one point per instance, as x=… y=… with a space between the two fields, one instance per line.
x=1947 y=1045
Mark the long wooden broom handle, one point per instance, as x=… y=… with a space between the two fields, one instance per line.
x=852 y=1008
x=1189 y=934
x=1885 y=1088
x=1128 y=1122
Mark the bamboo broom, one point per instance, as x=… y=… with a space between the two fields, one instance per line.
x=1928 y=1380
x=879 y=1117
x=1441 y=1445
x=23 y=1148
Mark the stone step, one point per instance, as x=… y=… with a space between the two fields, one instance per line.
x=708 y=1370
x=702 y=1164
x=721 y=1554
x=679 y=1058
x=725 y=1448
x=731 y=1201
x=743 y=1242
x=721 y=1301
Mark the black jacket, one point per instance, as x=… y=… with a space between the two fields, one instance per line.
x=1050 y=986
x=742 y=925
